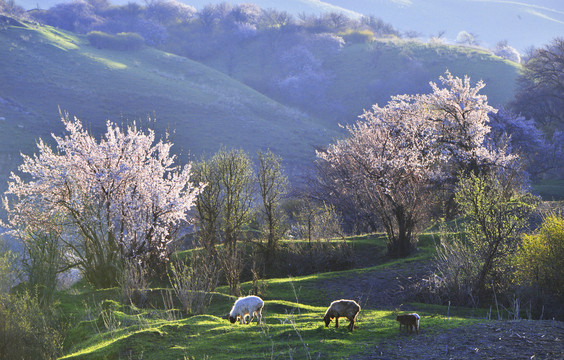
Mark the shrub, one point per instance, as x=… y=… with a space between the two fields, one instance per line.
x=26 y=330
x=358 y=36
x=42 y=261
x=502 y=49
x=299 y=258
x=456 y=267
x=540 y=258
x=497 y=211
x=194 y=282
x=122 y=41
x=7 y=268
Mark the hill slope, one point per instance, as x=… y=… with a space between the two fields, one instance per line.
x=359 y=75
x=43 y=69
x=292 y=324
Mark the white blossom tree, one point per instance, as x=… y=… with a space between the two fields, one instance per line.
x=395 y=155
x=122 y=197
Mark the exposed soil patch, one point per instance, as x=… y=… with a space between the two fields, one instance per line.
x=389 y=289
x=378 y=289
x=519 y=339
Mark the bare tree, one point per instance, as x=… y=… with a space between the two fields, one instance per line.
x=272 y=185
x=225 y=206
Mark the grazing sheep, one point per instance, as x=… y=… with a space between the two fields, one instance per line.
x=411 y=321
x=342 y=308
x=247 y=306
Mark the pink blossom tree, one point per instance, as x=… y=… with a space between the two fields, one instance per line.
x=119 y=198
x=396 y=155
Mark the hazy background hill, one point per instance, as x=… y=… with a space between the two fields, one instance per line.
x=44 y=69
x=51 y=69
x=249 y=82
x=522 y=23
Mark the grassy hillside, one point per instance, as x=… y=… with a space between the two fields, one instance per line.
x=44 y=69
x=293 y=327
x=522 y=23
x=360 y=75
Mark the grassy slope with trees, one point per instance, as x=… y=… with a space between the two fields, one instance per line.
x=293 y=313
x=202 y=107
x=206 y=108
x=101 y=327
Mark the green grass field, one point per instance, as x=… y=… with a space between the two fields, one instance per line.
x=292 y=325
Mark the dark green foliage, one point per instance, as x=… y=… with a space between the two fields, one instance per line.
x=28 y=331
x=122 y=41
x=540 y=93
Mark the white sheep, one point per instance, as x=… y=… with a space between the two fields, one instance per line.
x=247 y=306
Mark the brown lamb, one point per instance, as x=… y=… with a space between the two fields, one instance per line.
x=410 y=321
x=342 y=308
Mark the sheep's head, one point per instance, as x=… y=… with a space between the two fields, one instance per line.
x=233 y=319
x=327 y=320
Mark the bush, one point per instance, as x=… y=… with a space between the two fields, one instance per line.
x=194 y=282
x=7 y=268
x=456 y=267
x=540 y=258
x=497 y=211
x=358 y=36
x=121 y=41
x=26 y=330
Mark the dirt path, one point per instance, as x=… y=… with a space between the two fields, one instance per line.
x=508 y=340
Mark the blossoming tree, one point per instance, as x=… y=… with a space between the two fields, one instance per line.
x=119 y=198
x=396 y=155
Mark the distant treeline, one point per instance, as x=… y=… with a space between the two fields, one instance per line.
x=157 y=21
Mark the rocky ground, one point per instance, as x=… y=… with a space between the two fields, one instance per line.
x=508 y=340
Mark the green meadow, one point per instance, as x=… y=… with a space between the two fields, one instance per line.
x=103 y=328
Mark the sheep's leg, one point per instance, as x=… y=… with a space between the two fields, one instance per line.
x=351 y=324
x=259 y=316
x=337 y=322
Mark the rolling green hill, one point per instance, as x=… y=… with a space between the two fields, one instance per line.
x=360 y=75
x=44 y=69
